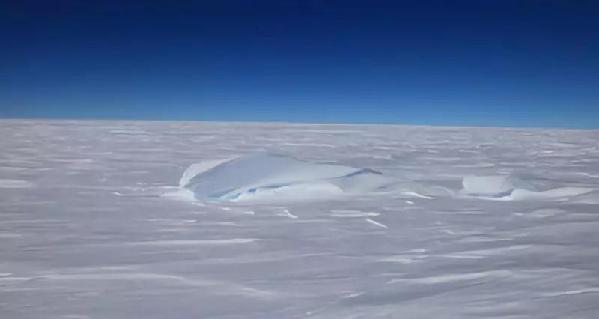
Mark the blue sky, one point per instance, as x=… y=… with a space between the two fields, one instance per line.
x=505 y=63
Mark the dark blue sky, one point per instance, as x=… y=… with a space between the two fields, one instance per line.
x=504 y=62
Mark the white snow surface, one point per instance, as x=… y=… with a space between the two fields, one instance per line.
x=115 y=219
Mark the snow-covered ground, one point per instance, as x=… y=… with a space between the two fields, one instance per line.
x=103 y=219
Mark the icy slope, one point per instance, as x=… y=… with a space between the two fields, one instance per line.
x=98 y=220
x=277 y=178
x=270 y=177
x=505 y=187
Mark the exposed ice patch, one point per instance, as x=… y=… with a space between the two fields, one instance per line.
x=267 y=177
x=510 y=188
x=551 y=194
x=277 y=178
x=492 y=186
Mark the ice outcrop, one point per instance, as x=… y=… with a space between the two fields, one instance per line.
x=278 y=178
x=488 y=186
x=268 y=177
x=511 y=188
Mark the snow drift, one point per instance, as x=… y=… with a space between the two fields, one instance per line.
x=269 y=177
x=98 y=224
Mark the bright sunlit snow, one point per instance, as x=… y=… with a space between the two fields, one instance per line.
x=102 y=219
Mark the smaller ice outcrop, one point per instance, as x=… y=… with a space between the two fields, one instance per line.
x=560 y=193
x=511 y=188
x=268 y=177
x=488 y=186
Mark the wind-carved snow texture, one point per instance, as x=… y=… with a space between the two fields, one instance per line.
x=102 y=219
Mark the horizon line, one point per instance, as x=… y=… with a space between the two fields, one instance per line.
x=301 y=122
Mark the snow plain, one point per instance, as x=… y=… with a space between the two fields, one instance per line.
x=101 y=219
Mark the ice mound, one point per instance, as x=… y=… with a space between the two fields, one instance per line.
x=511 y=188
x=490 y=186
x=560 y=193
x=278 y=178
x=267 y=177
